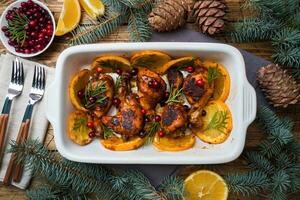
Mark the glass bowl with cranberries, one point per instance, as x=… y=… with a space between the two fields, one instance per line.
x=27 y=28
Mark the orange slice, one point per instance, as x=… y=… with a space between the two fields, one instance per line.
x=118 y=144
x=153 y=60
x=94 y=8
x=205 y=185
x=217 y=123
x=69 y=17
x=174 y=144
x=78 y=132
x=78 y=82
x=184 y=61
x=109 y=63
x=222 y=82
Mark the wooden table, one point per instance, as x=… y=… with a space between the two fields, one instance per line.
x=254 y=134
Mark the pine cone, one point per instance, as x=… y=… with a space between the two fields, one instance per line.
x=169 y=15
x=208 y=15
x=280 y=88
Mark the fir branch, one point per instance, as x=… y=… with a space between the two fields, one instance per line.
x=250 y=30
x=250 y=183
x=213 y=73
x=259 y=162
x=75 y=176
x=108 y=132
x=16 y=28
x=172 y=188
x=286 y=37
x=280 y=184
x=270 y=148
x=96 y=91
x=289 y=57
x=150 y=129
x=175 y=95
x=89 y=33
x=138 y=26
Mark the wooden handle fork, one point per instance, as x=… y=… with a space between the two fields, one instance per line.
x=3 y=126
x=22 y=135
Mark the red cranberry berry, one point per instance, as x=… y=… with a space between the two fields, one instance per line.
x=150 y=84
x=27 y=51
x=200 y=82
x=157 y=118
x=167 y=94
x=92 y=99
x=32 y=23
x=99 y=70
x=186 y=108
x=119 y=71
x=161 y=133
x=190 y=69
x=92 y=134
x=90 y=125
x=134 y=72
x=142 y=134
x=143 y=111
x=80 y=93
x=147 y=119
x=4 y=28
x=116 y=102
x=155 y=84
x=203 y=113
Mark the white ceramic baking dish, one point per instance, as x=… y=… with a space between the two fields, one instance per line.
x=242 y=103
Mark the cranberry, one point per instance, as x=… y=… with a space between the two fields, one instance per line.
x=99 y=70
x=11 y=42
x=155 y=84
x=26 y=28
x=167 y=94
x=92 y=134
x=33 y=50
x=32 y=23
x=134 y=72
x=147 y=119
x=119 y=71
x=17 y=50
x=80 y=93
x=90 y=125
x=24 y=4
x=49 y=32
x=4 y=28
x=21 y=50
x=33 y=34
x=49 y=27
x=31 y=43
x=30 y=3
x=6 y=33
x=91 y=99
x=42 y=20
x=200 y=82
x=157 y=118
x=49 y=21
x=186 y=108
x=27 y=51
x=203 y=113
x=41 y=35
x=37 y=15
x=190 y=69
x=44 y=30
x=150 y=84
x=143 y=111
x=142 y=134
x=116 y=102
x=161 y=133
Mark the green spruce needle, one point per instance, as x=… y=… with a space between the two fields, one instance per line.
x=108 y=132
x=151 y=129
x=95 y=91
x=16 y=28
x=118 y=84
x=79 y=124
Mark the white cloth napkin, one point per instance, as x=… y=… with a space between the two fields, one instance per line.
x=39 y=122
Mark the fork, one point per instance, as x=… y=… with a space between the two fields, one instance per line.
x=35 y=95
x=14 y=89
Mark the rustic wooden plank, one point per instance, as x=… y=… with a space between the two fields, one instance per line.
x=254 y=134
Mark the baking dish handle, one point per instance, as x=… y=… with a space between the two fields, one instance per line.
x=250 y=104
x=51 y=102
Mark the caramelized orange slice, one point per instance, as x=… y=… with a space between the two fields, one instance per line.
x=174 y=144
x=109 y=63
x=118 y=144
x=183 y=61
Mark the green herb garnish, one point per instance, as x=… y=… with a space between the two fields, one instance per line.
x=175 y=95
x=80 y=123
x=96 y=92
x=213 y=73
x=151 y=129
x=108 y=132
x=218 y=121
x=16 y=28
x=118 y=84
x=185 y=65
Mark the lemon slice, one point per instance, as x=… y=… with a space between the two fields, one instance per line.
x=153 y=60
x=205 y=185
x=78 y=83
x=78 y=132
x=176 y=63
x=69 y=17
x=217 y=123
x=94 y=8
x=109 y=63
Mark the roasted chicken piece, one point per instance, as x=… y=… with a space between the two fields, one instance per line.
x=174 y=115
x=151 y=88
x=129 y=120
x=100 y=93
x=198 y=92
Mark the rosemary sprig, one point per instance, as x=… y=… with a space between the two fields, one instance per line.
x=151 y=129
x=213 y=73
x=218 y=121
x=16 y=28
x=108 y=132
x=174 y=96
x=80 y=123
x=96 y=92
x=118 y=84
